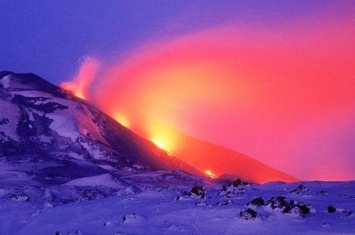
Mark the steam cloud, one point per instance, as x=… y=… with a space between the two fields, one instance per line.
x=285 y=97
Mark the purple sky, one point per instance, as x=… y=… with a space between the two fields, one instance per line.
x=51 y=37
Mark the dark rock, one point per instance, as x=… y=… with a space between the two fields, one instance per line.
x=331 y=209
x=20 y=197
x=224 y=188
x=38 y=103
x=198 y=191
x=277 y=202
x=303 y=209
x=239 y=182
x=248 y=214
x=4 y=121
x=301 y=189
x=259 y=201
x=287 y=207
x=233 y=189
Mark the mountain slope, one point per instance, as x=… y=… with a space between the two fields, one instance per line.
x=48 y=136
x=227 y=163
x=216 y=160
x=53 y=137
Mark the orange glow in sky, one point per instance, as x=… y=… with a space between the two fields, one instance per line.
x=122 y=119
x=81 y=82
x=274 y=94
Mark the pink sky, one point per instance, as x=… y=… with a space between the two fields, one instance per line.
x=284 y=96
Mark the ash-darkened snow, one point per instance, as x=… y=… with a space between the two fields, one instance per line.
x=67 y=168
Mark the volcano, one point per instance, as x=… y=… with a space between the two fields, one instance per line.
x=67 y=168
x=49 y=136
x=55 y=137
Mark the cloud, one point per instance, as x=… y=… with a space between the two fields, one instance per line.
x=263 y=92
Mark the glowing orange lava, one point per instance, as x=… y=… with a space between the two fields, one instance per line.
x=210 y=174
x=159 y=143
x=123 y=120
x=80 y=84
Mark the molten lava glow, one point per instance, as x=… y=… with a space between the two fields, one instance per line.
x=210 y=174
x=276 y=94
x=159 y=143
x=80 y=83
x=163 y=137
x=123 y=120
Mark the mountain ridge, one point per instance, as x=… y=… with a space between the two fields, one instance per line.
x=55 y=137
x=56 y=125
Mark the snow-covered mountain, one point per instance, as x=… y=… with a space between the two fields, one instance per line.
x=42 y=123
x=49 y=136
x=67 y=168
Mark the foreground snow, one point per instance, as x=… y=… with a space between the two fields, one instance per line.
x=146 y=209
